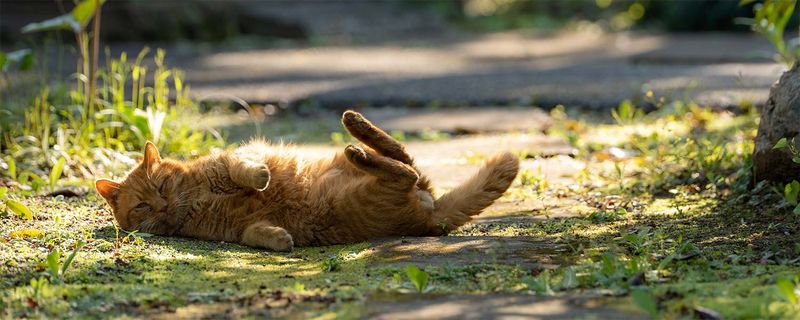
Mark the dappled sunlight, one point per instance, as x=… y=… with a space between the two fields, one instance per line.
x=635 y=195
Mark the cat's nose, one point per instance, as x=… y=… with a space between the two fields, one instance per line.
x=160 y=205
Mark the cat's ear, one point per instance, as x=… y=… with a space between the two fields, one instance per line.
x=108 y=189
x=151 y=156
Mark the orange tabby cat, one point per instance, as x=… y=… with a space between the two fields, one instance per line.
x=262 y=196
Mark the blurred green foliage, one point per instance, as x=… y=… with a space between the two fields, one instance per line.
x=670 y=15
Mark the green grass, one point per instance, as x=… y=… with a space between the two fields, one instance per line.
x=686 y=233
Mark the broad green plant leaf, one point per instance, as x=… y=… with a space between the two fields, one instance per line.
x=418 y=277
x=22 y=58
x=63 y=22
x=790 y=192
x=74 y=21
x=19 y=209
x=55 y=173
x=782 y=143
x=570 y=279
x=84 y=11
x=3 y=191
x=786 y=288
x=646 y=301
x=796 y=210
x=52 y=263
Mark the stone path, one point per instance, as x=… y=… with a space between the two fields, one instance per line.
x=576 y=68
x=525 y=252
x=494 y=307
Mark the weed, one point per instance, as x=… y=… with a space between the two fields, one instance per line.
x=607 y=215
x=646 y=301
x=770 y=20
x=8 y=204
x=626 y=112
x=332 y=263
x=540 y=284
x=55 y=268
x=534 y=180
x=789 y=289
x=791 y=190
x=418 y=277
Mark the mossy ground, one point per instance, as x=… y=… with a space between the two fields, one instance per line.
x=675 y=215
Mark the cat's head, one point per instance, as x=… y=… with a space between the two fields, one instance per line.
x=152 y=196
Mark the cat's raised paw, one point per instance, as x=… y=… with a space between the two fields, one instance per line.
x=354 y=152
x=261 y=177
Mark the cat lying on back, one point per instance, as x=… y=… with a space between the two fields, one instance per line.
x=260 y=195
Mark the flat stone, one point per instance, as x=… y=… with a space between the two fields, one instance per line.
x=492 y=307
x=461 y=120
x=532 y=210
x=468 y=250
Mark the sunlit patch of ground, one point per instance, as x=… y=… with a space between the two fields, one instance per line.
x=657 y=206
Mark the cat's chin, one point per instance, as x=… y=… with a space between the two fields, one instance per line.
x=176 y=219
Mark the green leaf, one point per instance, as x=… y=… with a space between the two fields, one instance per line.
x=570 y=279
x=63 y=22
x=790 y=192
x=20 y=209
x=12 y=168
x=782 y=143
x=3 y=60
x=786 y=288
x=745 y=2
x=52 y=262
x=67 y=262
x=418 y=277
x=646 y=301
x=796 y=210
x=3 y=191
x=27 y=62
x=84 y=11
x=55 y=173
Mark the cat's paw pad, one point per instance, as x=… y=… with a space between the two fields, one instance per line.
x=281 y=241
x=354 y=152
x=261 y=177
x=350 y=118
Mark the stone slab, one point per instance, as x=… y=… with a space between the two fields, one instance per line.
x=494 y=307
x=525 y=252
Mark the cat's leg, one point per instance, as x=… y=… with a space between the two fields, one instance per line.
x=248 y=173
x=393 y=173
x=375 y=138
x=262 y=234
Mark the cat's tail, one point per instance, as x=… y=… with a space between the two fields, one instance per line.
x=457 y=207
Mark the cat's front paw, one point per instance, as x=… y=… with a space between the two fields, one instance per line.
x=280 y=241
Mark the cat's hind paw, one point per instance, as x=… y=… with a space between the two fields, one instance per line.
x=261 y=177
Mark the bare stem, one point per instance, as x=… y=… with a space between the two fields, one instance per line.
x=95 y=49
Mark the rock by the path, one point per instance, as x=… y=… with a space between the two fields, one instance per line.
x=780 y=118
x=469 y=250
x=492 y=307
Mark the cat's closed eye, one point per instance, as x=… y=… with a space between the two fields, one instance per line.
x=142 y=206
